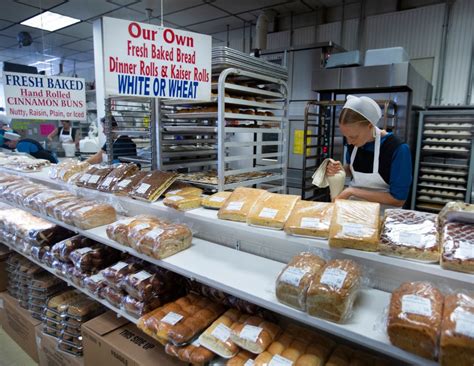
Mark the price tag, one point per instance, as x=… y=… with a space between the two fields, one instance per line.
x=464 y=322
x=175 y=198
x=107 y=181
x=416 y=305
x=97 y=277
x=356 y=230
x=411 y=239
x=141 y=227
x=310 y=223
x=278 y=360
x=171 y=318
x=235 y=206
x=85 y=177
x=83 y=251
x=250 y=333
x=124 y=183
x=268 y=213
x=118 y=266
x=217 y=199
x=333 y=277
x=142 y=275
x=175 y=191
x=83 y=210
x=38 y=341
x=465 y=250
x=221 y=332
x=249 y=363
x=94 y=179
x=155 y=233
x=143 y=188
x=292 y=276
x=126 y=221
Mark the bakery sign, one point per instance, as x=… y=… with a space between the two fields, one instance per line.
x=41 y=97
x=152 y=61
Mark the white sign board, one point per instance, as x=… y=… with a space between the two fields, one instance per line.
x=150 y=61
x=31 y=96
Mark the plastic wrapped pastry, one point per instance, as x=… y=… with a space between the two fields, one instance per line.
x=94 y=215
x=113 y=296
x=97 y=177
x=95 y=283
x=90 y=259
x=355 y=224
x=119 y=173
x=138 y=228
x=254 y=334
x=138 y=308
x=272 y=210
x=217 y=337
x=456 y=212
x=293 y=282
x=114 y=275
x=458 y=247
x=182 y=203
x=414 y=318
x=215 y=201
x=457 y=330
x=334 y=290
x=193 y=353
x=148 y=283
x=239 y=204
x=63 y=249
x=124 y=186
x=120 y=230
x=152 y=186
x=410 y=234
x=185 y=191
x=310 y=218
x=243 y=358
x=83 y=177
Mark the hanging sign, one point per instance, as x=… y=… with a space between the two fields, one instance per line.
x=150 y=61
x=40 y=97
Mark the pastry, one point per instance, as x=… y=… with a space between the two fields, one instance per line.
x=341 y=356
x=253 y=333
x=310 y=218
x=114 y=275
x=458 y=247
x=239 y=204
x=414 y=318
x=217 y=337
x=119 y=173
x=355 y=224
x=162 y=242
x=293 y=282
x=333 y=290
x=94 y=215
x=243 y=358
x=152 y=185
x=193 y=353
x=182 y=203
x=272 y=210
x=124 y=186
x=215 y=201
x=186 y=191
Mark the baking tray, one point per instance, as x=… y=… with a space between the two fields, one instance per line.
x=445 y=151
x=189 y=129
x=427 y=185
x=442 y=180
x=440 y=172
x=419 y=193
x=442 y=201
x=196 y=115
x=447 y=143
x=429 y=207
x=467 y=135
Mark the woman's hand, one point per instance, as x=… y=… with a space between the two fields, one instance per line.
x=333 y=167
x=345 y=194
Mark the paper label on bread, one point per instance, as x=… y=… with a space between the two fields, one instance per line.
x=217 y=199
x=293 y=276
x=333 y=277
x=268 y=213
x=155 y=233
x=310 y=222
x=250 y=333
x=465 y=250
x=411 y=239
x=172 y=318
x=97 y=277
x=249 y=363
x=278 y=360
x=124 y=183
x=94 y=179
x=118 y=266
x=355 y=230
x=464 y=322
x=175 y=198
x=221 y=332
x=83 y=251
x=85 y=178
x=107 y=181
x=235 y=206
x=196 y=343
x=143 y=188
x=141 y=276
x=416 y=305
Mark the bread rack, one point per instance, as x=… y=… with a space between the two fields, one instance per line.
x=444 y=159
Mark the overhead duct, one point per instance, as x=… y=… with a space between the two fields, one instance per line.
x=261 y=30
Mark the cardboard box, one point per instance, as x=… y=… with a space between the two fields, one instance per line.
x=50 y=356
x=109 y=340
x=4 y=254
x=18 y=324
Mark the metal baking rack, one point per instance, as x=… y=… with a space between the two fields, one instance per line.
x=134 y=119
x=242 y=131
x=444 y=159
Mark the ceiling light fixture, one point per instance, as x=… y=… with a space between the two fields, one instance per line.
x=50 y=21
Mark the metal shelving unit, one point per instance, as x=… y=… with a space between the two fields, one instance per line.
x=444 y=159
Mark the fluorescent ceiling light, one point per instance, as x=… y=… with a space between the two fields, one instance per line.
x=50 y=21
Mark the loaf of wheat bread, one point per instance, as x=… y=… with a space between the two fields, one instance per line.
x=238 y=205
x=272 y=210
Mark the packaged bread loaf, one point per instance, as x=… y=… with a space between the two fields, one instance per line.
x=153 y=185
x=184 y=192
x=217 y=337
x=180 y=321
x=95 y=215
x=114 y=274
x=113 y=296
x=457 y=330
x=182 y=203
x=62 y=206
x=39 y=201
x=63 y=249
x=410 y=234
x=138 y=228
x=84 y=176
x=216 y=200
x=124 y=186
x=67 y=215
x=89 y=259
x=293 y=282
x=340 y=356
x=243 y=358
x=95 y=283
x=254 y=334
x=458 y=247
x=119 y=173
x=355 y=224
x=120 y=230
x=48 y=208
x=310 y=218
x=193 y=353
x=272 y=210
x=414 y=319
x=239 y=204
x=149 y=282
x=162 y=242
x=97 y=177
x=333 y=290
x=138 y=308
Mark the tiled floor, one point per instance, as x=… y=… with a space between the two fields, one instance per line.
x=11 y=354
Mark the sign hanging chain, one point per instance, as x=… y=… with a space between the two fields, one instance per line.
x=161 y=12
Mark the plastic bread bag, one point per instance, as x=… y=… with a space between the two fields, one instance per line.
x=149 y=282
x=84 y=176
x=69 y=348
x=138 y=228
x=119 y=230
x=94 y=283
x=243 y=358
x=114 y=274
x=310 y=219
x=182 y=203
x=138 y=308
x=411 y=235
x=153 y=185
x=355 y=225
x=180 y=321
x=83 y=310
x=216 y=338
x=456 y=212
x=89 y=259
x=457 y=330
x=65 y=213
x=70 y=339
x=193 y=353
x=414 y=318
x=457 y=251
x=39 y=201
x=97 y=177
x=238 y=205
x=124 y=186
x=272 y=210
x=294 y=280
x=113 y=296
x=63 y=249
x=183 y=191
x=95 y=215
x=253 y=333
x=162 y=242
x=216 y=200
x=61 y=206
x=48 y=236
x=120 y=172
x=333 y=290
x=18 y=195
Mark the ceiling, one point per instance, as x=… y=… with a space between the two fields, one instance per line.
x=73 y=46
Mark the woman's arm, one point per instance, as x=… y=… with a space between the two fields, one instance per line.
x=52 y=134
x=347 y=169
x=77 y=137
x=96 y=158
x=384 y=198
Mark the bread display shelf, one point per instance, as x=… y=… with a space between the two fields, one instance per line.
x=440 y=201
x=442 y=172
x=189 y=153
x=451 y=197
x=189 y=102
x=448 y=135
x=440 y=180
x=424 y=185
x=449 y=143
x=444 y=165
x=252 y=278
x=247 y=90
x=444 y=151
x=189 y=129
